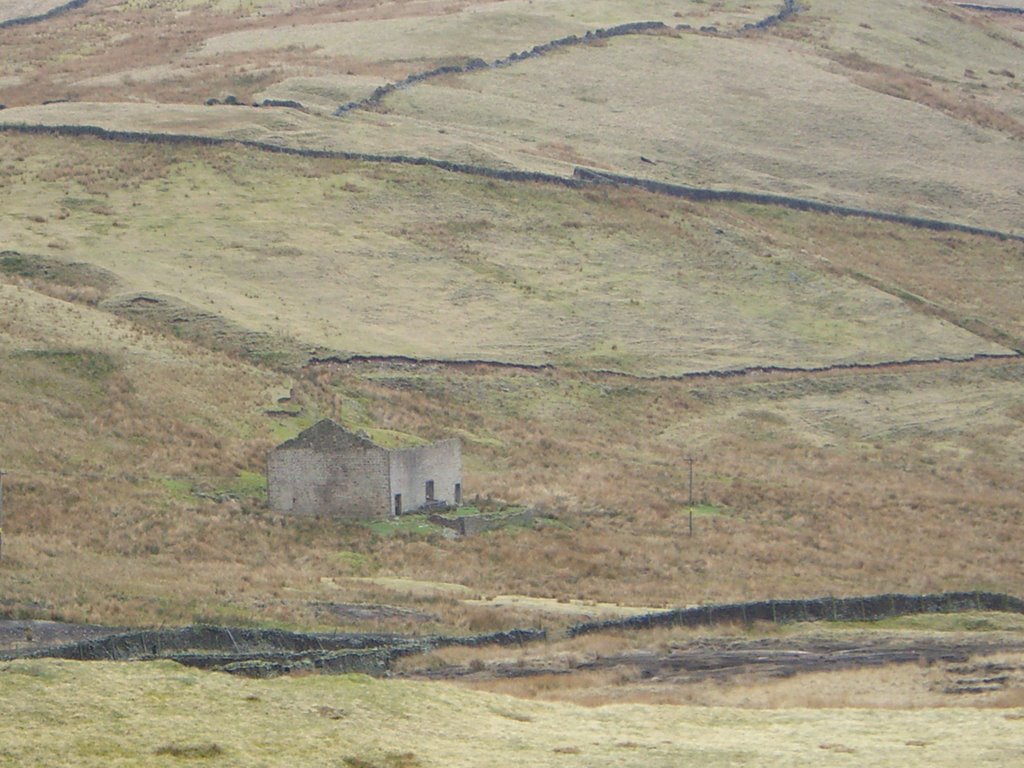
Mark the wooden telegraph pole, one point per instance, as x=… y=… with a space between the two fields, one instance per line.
x=689 y=460
x=2 y=473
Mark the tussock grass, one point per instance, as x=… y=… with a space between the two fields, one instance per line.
x=136 y=456
x=190 y=751
x=154 y=447
x=128 y=712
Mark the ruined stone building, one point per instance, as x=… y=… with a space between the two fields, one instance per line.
x=328 y=470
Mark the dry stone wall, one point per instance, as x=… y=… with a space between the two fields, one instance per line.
x=789 y=8
x=990 y=8
x=268 y=652
x=474 y=65
x=704 y=194
x=50 y=14
x=582 y=178
x=821 y=609
x=688 y=375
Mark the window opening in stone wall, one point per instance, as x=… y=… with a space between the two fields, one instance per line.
x=458 y=493
x=398 y=503
x=430 y=490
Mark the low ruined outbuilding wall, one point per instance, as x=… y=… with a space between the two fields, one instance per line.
x=471 y=525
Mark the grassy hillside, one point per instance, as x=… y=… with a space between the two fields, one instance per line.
x=134 y=459
x=159 y=302
x=162 y=714
x=391 y=260
x=850 y=392
x=747 y=113
x=187 y=51
x=910 y=106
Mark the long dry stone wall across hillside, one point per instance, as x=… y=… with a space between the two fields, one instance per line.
x=269 y=652
x=788 y=9
x=582 y=177
x=50 y=14
x=821 y=609
x=687 y=376
x=990 y=8
x=704 y=194
x=474 y=65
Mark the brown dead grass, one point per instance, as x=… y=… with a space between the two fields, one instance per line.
x=901 y=84
x=973 y=283
x=842 y=482
x=94 y=532
x=774 y=485
x=895 y=686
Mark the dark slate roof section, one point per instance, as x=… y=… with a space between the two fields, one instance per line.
x=327 y=435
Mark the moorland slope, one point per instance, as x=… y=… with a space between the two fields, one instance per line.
x=178 y=294
x=850 y=388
